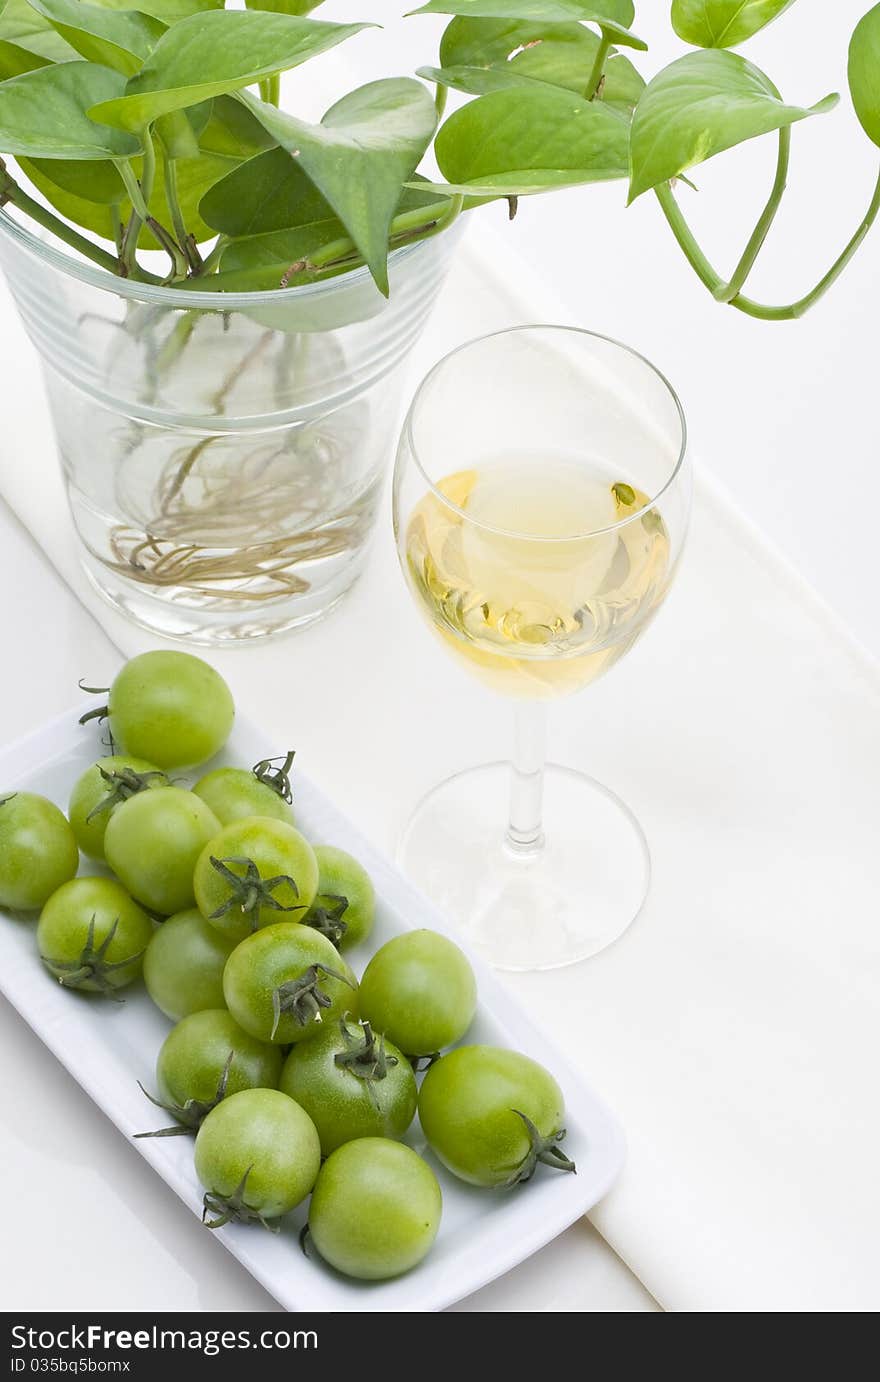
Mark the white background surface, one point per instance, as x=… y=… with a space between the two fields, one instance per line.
x=734 y=1028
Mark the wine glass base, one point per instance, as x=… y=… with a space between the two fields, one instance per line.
x=532 y=910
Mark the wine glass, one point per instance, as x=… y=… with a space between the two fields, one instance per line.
x=541 y=499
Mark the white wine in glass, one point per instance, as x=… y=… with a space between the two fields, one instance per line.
x=534 y=606
x=538 y=556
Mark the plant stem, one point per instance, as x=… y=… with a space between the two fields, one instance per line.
x=11 y=192
x=763 y=311
x=525 y=834
x=173 y=200
x=270 y=89
x=765 y=221
x=128 y=251
x=595 y=77
x=441 y=94
x=212 y=260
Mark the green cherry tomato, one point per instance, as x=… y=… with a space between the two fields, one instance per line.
x=152 y=842
x=419 y=989
x=257 y=1155
x=100 y=789
x=285 y=982
x=235 y=794
x=38 y=850
x=170 y=708
x=254 y=872
x=208 y=1057
x=345 y=905
x=91 y=935
x=491 y=1115
x=352 y=1084
x=375 y=1209
x=183 y=966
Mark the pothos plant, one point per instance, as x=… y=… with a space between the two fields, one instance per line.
x=155 y=125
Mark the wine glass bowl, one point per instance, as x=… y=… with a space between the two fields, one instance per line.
x=541 y=499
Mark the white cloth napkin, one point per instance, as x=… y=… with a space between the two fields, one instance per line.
x=734 y=1027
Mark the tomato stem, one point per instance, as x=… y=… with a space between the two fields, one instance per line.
x=229 y=1209
x=303 y=998
x=541 y=1149
x=278 y=778
x=365 y=1058
x=193 y=1113
x=325 y=916
x=92 y=964
x=250 y=891
x=123 y=783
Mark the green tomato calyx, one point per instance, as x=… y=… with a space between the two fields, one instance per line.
x=275 y=773
x=189 y=1116
x=326 y=915
x=100 y=712
x=303 y=998
x=231 y=1209
x=365 y=1057
x=541 y=1149
x=92 y=964
x=123 y=783
x=249 y=891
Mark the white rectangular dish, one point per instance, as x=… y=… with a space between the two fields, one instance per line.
x=107 y=1047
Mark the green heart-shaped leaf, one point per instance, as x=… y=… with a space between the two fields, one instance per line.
x=43 y=114
x=284 y=6
x=525 y=140
x=215 y=53
x=21 y=25
x=120 y=39
x=86 y=211
x=233 y=132
x=700 y=105
x=864 y=73
x=561 y=54
x=359 y=157
x=14 y=60
x=723 y=23
x=268 y=193
x=97 y=183
x=169 y=11
x=615 y=18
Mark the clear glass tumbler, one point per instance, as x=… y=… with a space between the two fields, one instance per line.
x=541 y=500
x=223 y=454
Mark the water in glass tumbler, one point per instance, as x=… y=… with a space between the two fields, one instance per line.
x=545 y=617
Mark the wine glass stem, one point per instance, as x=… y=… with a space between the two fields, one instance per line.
x=525 y=833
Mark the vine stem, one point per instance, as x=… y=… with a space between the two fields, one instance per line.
x=595 y=77
x=763 y=311
x=139 y=194
x=12 y=193
x=173 y=200
x=765 y=221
